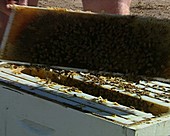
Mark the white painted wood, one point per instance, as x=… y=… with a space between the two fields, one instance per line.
x=2 y=113
x=25 y=114
x=28 y=115
x=158 y=127
x=31 y=116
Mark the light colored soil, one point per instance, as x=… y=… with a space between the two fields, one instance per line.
x=156 y=8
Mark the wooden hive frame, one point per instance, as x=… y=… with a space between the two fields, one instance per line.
x=126 y=44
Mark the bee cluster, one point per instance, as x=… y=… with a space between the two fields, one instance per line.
x=125 y=44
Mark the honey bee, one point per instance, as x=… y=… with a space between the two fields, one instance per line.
x=17 y=69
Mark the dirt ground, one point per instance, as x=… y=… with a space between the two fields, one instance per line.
x=156 y=8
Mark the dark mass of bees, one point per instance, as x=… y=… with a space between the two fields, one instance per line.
x=125 y=44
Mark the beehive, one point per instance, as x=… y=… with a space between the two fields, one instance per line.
x=28 y=93
x=142 y=95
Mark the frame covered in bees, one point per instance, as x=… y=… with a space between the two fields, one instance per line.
x=126 y=44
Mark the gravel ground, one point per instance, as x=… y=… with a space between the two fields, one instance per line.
x=156 y=8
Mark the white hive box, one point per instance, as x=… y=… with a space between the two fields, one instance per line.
x=31 y=107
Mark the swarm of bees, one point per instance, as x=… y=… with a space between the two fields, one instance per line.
x=125 y=44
